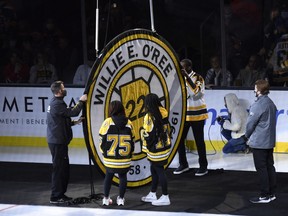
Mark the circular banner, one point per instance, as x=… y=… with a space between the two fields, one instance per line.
x=133 y=64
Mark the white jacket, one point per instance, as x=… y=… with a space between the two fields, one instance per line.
x=238 y=116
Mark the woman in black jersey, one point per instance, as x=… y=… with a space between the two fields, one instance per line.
x=117 y=145
x=156 y=144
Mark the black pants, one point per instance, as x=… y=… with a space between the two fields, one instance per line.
x=264 y=164
x=108 y=182
x=198 y=132
x=158 y=175
x=60 y=170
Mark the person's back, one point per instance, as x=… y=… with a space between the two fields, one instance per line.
x=152 y=143
x=112 y=147
x=117 y=145
x=155 y=136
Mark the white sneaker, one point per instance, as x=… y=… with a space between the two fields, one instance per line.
x=106 y=201
x=272 y=197
x=162 y=201
x=120 y=201
x=150 y=197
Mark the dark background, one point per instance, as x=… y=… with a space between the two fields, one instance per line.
x=219 y=192
x=193 y=28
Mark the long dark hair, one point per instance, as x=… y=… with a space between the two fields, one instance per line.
x=116 y=108
x=152 y=104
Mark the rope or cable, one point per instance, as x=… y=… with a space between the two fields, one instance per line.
x=209 y=137
x=107 y=23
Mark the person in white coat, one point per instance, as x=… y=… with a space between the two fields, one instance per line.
x=233 y=127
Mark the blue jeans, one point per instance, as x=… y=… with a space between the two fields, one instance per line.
x=233 y=145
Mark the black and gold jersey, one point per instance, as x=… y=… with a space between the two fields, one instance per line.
x=117 y=142
x=196 y=105
x=157 y=150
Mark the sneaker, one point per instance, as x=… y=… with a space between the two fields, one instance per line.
x=56 y=200
x=260 y=199
x=201 y=172
x=106 y=201
x=272 y=197
x=162 y=201
x=67 y=198
x=181 y=169
x=120 y=201
x=59 y=200
x=248 y=150
x=151 y=196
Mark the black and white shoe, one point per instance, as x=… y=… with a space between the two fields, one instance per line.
x=60 y=200
x=261 y=199
x=201 y=172
x=272 y=197
x=181 y=169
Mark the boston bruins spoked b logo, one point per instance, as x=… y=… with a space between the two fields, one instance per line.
x=135 y=63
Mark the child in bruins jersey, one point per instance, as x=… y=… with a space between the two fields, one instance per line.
x=156 y=143
x=117 y=145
